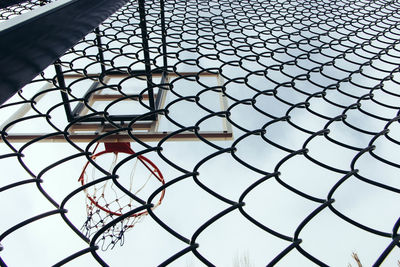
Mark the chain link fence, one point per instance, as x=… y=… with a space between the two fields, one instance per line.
x=308 y=151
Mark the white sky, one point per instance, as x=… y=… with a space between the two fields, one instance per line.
x=187 y=206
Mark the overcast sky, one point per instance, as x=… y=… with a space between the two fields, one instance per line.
x=186 y=205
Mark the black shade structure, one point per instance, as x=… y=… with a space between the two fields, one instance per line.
x=33 y=41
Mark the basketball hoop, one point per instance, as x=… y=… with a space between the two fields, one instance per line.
x=105 y=201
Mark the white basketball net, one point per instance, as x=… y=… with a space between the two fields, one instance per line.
x=105 y=201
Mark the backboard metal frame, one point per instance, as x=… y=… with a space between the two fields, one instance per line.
x=144 y=130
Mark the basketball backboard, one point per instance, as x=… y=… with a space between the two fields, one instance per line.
x=119 y=107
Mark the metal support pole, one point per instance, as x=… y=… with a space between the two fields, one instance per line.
x=63 y=87
x=163 y=36
x=145 y=43
x=101 y=55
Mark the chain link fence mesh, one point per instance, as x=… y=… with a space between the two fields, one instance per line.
x=312 y=91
